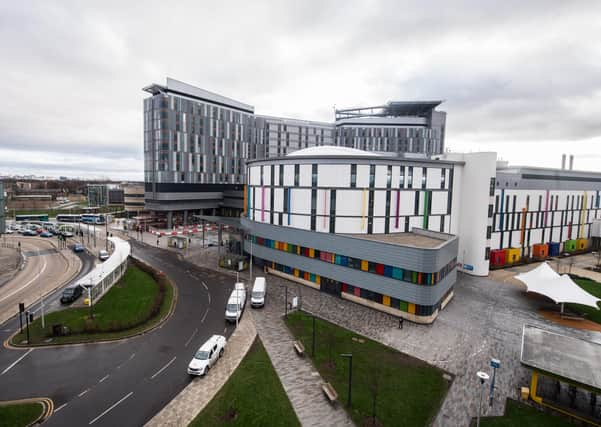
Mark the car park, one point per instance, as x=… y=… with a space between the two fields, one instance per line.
x=70 y=294
x=207 y=355
x=103 y=255
x=78 y=248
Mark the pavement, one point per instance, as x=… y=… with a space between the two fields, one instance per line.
x=193 y=399
x=46 y=268
x=9 y=263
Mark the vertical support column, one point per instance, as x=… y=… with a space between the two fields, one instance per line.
x=185 y=217
x=219 y=229
x=170 y=219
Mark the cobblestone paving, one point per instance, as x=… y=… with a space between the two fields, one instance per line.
x=300 y=379
x=191 y=400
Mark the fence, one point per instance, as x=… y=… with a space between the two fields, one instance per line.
x=105 y=275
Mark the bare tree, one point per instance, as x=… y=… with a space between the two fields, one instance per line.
x=374 y=382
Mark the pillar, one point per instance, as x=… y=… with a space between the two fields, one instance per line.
x=219 y=239
x=170 y=220
x=185 y=217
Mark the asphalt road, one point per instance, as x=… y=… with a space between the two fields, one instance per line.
x=124 y=383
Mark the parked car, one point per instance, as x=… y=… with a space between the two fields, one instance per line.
x=207 y=355
x=70 y=294
x=78 y=248
x=67 y=234
x=27 y=232
x=46 y=234
x=8 y=231
x=257 y=296
x=103 y=255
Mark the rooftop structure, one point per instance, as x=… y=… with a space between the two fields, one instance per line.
x=391 y=109
x=415 y=238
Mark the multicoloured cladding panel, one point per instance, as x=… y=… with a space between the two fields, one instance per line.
x=405 y=275
x=524 y=217
x=386 y=300
x=362 y=195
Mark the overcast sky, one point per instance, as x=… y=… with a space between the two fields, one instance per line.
x=522 y=78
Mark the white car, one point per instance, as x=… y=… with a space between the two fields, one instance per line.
x=207 y=355
x=103 y=255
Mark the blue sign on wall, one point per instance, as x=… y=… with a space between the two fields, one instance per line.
x=468 y=267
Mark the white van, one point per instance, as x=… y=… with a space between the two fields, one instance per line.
x=257 y=297
x=235 y=303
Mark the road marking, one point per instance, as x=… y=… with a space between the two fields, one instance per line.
x=16 y=361
x=60 y=407
x=7 y=330
x=112 y=407
x=204 y=317
x=164 y=367
x=190 y=339
x=130 y=357
x=104 y=378
x=209 y=298
x=225 y=330
x=205 y=285
x=26 y=284
x=83 y=392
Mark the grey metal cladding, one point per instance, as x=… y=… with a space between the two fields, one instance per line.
x=418 y=294
x=425 y=260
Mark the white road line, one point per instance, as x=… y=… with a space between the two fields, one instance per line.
x=26 y=284
x=205 y=285
x=225 y=330
x=209 y=298
x=204 y=317
x=192 y=336
x=104 y=378
x=163 y=368
x=16 y=361
x=60 y=407
x=83 y=392
x=130 y=357
x=110 y=408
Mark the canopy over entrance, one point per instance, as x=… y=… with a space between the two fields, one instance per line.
x=560 y=288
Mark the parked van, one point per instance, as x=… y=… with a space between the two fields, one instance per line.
x=235 y=303
x=257 y=297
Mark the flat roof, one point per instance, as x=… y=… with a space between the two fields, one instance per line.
x=402 y=239
x=572 y=358
x=392 y=108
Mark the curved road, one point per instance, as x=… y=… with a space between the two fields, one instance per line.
x=124 y=383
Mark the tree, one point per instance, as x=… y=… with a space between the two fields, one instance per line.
x=374 y=382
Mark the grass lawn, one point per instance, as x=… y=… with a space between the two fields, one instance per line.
x=408 y=391
x=124 y=310
x=518 y=414
x=252 y=396
x=19 y=415
x=593 y=288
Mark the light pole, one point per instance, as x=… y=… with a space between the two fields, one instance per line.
x=483 y=377
x=494 y=363
x=42 y=298
x=350 y=375
x=251 y=260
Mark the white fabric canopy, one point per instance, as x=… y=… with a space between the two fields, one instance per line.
x=561 y=289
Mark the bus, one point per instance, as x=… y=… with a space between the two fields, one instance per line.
x=31 y=218
x=68 y=218
x=99 y=219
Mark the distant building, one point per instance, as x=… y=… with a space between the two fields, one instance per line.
x=133 y=197
x=2 y=198
x=97 y=195
x=115 y=197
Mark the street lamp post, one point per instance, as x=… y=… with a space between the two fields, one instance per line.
x=495 y=364
x=350 y=375
x=483 y=377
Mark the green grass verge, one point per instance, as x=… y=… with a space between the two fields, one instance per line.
x=518 y=414
x=20 y=414
x=129 y=307
x=407 y=391
x=253 y=396
x=593 y=288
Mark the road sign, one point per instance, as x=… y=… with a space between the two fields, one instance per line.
x=495 y=363
x=21 y=307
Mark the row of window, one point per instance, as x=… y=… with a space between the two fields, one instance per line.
x=336 y=287
x=402 y=274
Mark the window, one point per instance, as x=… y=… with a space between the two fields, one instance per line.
x=492 y=187
x=488 y=232
x=424 y=177
x=353 y=176
x=402 y=177
x=410 y=178
x=296 y=174
x=490 y=211
x=372 y=176
x=487 y=253
x=314 y=175
x=332 y=211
